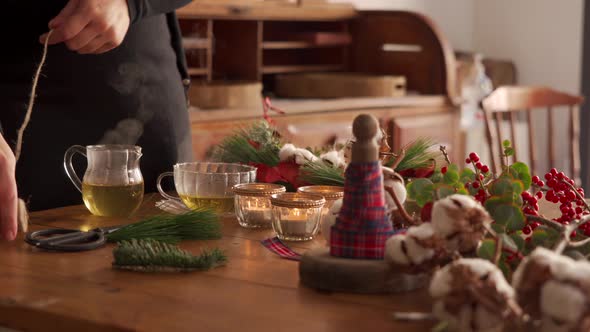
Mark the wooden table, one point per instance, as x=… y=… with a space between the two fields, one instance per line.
x=256 y=291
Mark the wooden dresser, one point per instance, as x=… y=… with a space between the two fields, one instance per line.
x=253 y=41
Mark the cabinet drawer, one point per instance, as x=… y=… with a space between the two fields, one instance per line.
x=442 y=128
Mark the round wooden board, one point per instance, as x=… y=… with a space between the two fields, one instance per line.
x=319 y=270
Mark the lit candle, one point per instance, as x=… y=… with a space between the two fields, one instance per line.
x=296 y=216
x=253 y=208
x=259 y=215
x=295 y=223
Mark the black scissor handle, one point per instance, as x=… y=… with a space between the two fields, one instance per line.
x=66 y=239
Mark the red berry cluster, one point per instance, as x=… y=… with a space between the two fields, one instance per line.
x=531 y=206
x=561 y=191
x=480 y=171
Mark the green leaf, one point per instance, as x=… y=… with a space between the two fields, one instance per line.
x=509 y=152
x=487 y=249
x=421 y=190
x=467 y=175
x=502 y=186
x=444 y=190
x=518 y=240
x=545 y=237
x=494 y=202
x=436 y=176
x=522 y=172
x=452 y=174
x=462 y=191
x=499 y=228
x=508 y=242
x=503 y=266
x=517 y=187
x=510 y=215
x=506 y=143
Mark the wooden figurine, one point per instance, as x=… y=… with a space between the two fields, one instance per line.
x=363 y=224
x=354 y=262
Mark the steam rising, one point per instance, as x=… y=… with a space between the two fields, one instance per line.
x=129 y=79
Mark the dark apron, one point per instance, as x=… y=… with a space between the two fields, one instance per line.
x=131 y=95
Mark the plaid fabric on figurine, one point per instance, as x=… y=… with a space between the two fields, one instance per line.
x=363 y=225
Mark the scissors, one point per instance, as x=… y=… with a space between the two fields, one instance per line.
x=70 y=240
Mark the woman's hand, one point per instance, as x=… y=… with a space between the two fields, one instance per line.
x=8 y=193
x=90 y=26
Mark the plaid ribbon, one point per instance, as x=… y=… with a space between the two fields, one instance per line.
x=278 y=247
x=363 y=225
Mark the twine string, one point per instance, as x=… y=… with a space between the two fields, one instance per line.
x=23 y=127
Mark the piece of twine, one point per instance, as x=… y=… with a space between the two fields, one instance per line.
x=22 y=213
x=23 y=127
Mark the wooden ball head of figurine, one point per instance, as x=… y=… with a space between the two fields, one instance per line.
x=365 y=149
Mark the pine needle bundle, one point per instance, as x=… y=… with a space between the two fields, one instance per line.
x=322 y=174
x=199 y=224
x=418 y=154
x=255 y=144
x=148 y=255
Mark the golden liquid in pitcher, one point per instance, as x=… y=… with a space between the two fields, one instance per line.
x=111 y=201
x=219 y=204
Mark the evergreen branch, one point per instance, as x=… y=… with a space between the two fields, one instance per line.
x=199 y=224
x=150 y=256
x=255 y=144
x=418 y=154
x=321 y=173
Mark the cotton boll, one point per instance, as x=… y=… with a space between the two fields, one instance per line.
x=447 y=211
x=548 y=324
x=394 y=251
x=303 y=156
x=400 y=192
x=461 y=221
x=335 y=158
x=562 y=302
x=416 y=252
x=405 y=249
x=287 y=152
x=454 y=304
x=396 y=182
x=330 y=219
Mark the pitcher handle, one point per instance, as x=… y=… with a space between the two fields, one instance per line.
x=159 y=186
x=70 y=171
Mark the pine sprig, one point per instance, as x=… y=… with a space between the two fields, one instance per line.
x=150 y=255
x=255 y=144
x=322 y=173
x=199 y=224
x=419 y=154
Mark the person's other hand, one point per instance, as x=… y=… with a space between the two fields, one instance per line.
x=90 y=26
x=8 y=193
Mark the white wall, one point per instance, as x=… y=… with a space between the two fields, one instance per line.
x=544 y=38
x=454 y=17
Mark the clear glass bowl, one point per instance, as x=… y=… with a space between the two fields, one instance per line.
x=330 y=193
x=296 y=216
x=208 y=184
x=252 y=203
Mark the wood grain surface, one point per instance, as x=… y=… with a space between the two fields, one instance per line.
x=256 y=291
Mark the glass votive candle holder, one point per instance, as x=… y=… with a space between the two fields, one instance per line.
x=252 y=203
x=330 y=193
x=296 y=216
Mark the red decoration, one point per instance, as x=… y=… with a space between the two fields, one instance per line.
x=285 y=171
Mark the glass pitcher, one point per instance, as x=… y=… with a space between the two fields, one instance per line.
x=112 y=184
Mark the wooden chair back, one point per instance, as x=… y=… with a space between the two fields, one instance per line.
x=507 y=102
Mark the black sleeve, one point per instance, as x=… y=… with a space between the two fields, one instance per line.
x=139 y=9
